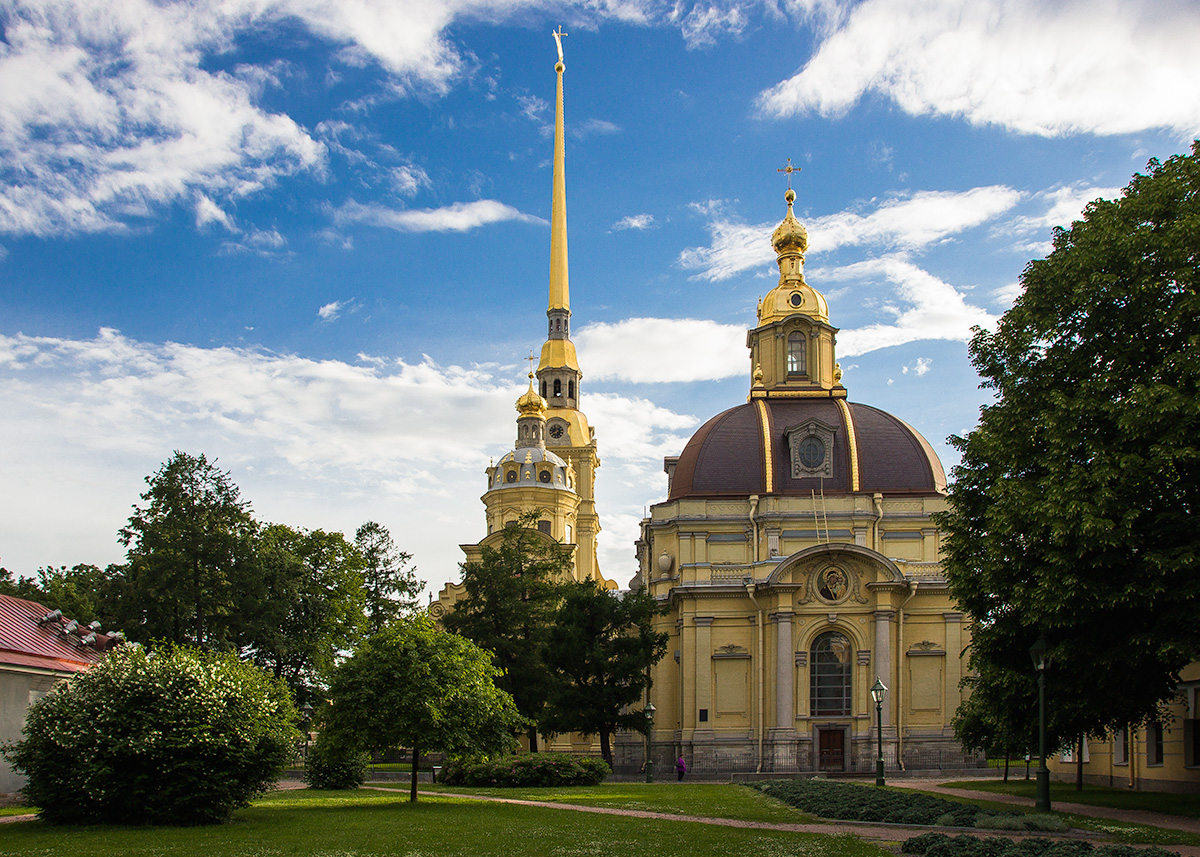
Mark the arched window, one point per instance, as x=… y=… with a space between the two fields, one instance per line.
x=797 y=361
x=557 y=388
x=544 y=526
x=570 y=389
x=829 y=672
x=543 y=389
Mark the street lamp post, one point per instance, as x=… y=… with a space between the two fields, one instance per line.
x=878 y=691
x=306 y=711
x=649 y=741
x=1038 y=653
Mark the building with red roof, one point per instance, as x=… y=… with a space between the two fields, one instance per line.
x=38 y=648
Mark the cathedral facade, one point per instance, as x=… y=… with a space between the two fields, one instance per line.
x=800 y=565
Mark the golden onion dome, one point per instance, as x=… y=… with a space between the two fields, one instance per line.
x=531 y=404
x=790 y=234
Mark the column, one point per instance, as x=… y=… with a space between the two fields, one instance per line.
x=883 y=661
x=785 y=673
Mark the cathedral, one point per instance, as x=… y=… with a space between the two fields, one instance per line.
x=551 y=469
x=800 y=563
x=795 y=550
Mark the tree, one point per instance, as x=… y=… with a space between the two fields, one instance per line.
x=390 y=583
x=80 y=592
x=512 y=592
x=601 y=648
x=178 y=736
x=413 y=685
x=310 y=608
x=191 y=556
x=1073 y=512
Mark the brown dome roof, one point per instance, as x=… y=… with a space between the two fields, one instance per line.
x=883 y=453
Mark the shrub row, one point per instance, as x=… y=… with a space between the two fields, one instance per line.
x=941 y=845
x=332 y=766
x=851 y=802
x=532 y=769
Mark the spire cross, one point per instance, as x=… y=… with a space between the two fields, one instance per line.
x=789 y=169
x=530 y=359
x=558 y=34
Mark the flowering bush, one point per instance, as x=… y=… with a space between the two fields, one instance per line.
x=174 y=737
x=532 y=769
x=333 y=766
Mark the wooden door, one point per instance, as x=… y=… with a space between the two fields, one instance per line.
x=831 y=745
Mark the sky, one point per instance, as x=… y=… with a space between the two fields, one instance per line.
x=310 y=238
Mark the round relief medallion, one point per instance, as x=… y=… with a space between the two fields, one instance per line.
x=833 y=584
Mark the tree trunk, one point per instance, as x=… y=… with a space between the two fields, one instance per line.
x=1006 y=757
x=605 y=747
x=416 y=757
x=533 y=742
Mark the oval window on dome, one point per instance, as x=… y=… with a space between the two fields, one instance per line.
x=510 y=476
x=796 y=300
x=544 y=476
x=812 y=452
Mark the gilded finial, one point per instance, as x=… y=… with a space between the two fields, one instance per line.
x=837 y=373
x=530 y=358
x=789 y=169
x=758 y=375
x=558 y=34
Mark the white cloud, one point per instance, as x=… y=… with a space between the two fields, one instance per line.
x=1075 y=66
x=408 y=179
x=918 y=367
x=661 y=350
x=703 y=23
x=909 y=222
x=634 y=221
x=331 y=310
x=311 y=443
x=459 y=217
x=924 y=307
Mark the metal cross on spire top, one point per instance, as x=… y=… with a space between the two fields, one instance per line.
x=789 y=169
x=558 y=34
x=530 y=358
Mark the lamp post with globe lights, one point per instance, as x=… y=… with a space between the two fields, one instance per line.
x=878 y=691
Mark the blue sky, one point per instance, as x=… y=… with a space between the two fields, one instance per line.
x=310 y=238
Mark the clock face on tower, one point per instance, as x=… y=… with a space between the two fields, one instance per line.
x=556 y=432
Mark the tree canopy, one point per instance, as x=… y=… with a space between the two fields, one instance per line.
x=601 y=647
x=390 y=583
x=413 y=685
x=1073 y=511
x=191 y=555
x=512 y=592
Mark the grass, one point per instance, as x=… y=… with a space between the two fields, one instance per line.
x=17 y=810
x=1185 y=805
x=712 y=800
x=369 y=823
x=1133 y=833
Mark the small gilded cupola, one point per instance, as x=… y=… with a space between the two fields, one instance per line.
x=530 y=464
x=792 y=348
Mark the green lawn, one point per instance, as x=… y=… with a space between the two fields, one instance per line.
x=1171 y=804
x=1187 y=806
x=371 y=823
x=712 y=800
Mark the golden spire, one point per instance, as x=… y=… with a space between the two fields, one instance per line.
x=560 y=297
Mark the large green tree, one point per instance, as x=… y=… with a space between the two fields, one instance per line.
x=81 y=592
x=310 y=606
x=390 y=583
x=512 y=592
x=413 y=685
x=1073 y=511
x=601 y=647
x=190 y=556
